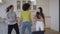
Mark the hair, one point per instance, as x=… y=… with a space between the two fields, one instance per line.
x=38 y=14
x=41 y=12
x=26 y=6
x=8 y=8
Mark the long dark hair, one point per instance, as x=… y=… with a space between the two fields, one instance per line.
x=8 y=8
x=41 y=12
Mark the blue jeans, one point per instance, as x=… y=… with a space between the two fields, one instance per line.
x=24 y=25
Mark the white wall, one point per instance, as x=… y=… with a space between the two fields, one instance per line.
x=40 y=3
x=50 y=8
x=45 y=5
x=54 y=13
x=4 y=5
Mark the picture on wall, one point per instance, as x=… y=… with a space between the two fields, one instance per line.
x=29 y=3
x=34 y=7
x=23 y=2
x=18 y=5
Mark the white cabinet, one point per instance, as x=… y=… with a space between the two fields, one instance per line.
x=0 y=1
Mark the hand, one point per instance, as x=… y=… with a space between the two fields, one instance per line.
x=14 y=20
x=20 y=24
x=34 y=23
x=31 y=24
x=44 y=25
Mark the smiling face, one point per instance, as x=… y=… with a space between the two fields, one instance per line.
x=11 y=9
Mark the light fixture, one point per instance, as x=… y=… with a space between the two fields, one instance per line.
x=33 y=2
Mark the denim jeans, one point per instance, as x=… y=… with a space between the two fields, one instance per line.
x=24 y=25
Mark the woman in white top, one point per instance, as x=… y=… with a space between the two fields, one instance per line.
x=40 y=21
x=12 y=20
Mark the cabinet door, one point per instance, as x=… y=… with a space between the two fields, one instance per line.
x=1 y=1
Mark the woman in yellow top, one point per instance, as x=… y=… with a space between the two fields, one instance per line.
x=26 y=18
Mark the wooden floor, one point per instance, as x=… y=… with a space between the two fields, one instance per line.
x=49 y=31
x=3 y=30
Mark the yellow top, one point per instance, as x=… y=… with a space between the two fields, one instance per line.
x=26 y=16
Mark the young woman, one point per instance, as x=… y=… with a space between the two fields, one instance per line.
x=40 y=20
x=26 y=18
x=12 y=20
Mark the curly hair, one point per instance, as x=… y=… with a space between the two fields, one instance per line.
x=26 y=6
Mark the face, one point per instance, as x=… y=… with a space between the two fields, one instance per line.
x=12 y=9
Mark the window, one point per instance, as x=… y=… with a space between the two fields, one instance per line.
x=18 y=5
x=21 y=2
x=0 y=1
x=30 y=4
x=34 y=7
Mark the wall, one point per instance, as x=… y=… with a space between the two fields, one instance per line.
x=45 y=5
x=4 y=5
x=54 y=13
x=59 y=15
x=50 y=8
x=40 y=3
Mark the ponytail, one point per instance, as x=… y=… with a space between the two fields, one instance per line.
x=8 y=8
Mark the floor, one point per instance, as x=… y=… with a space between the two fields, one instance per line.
x=49 y=31
x=3 y=30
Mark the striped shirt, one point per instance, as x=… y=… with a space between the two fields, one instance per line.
x=11 y=16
